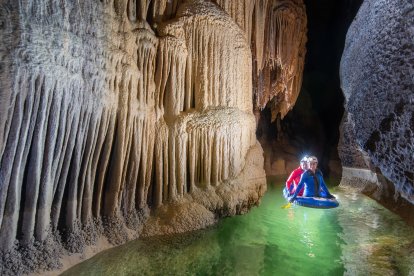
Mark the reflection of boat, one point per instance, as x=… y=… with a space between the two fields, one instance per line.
x=313 y=202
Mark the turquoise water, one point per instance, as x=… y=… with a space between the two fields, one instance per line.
x=358 y=238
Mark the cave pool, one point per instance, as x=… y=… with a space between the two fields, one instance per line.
x=360 y=237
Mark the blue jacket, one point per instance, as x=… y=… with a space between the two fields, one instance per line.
x=312 y=188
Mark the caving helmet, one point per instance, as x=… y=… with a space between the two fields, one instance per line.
x=312 y=159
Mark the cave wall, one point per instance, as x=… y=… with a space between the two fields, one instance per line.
x=377 y=78
x=117 y=115
x=276 y=31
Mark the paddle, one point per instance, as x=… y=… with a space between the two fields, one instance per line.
x=286 y=206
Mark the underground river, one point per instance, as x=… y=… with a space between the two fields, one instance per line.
x=359 y=237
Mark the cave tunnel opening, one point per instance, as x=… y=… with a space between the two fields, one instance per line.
x=312 y=126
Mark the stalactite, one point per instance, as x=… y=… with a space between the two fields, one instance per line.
x=229 y=130
x=103 y=164
x=163 y=10
x=104 y=115
x=212 y=50
x=276 y=31
x=186 y=95
x=7 y=32
x=118 y=158
x=171 y=60
x=261 y=11
x=74 y=172
x=70 y=133
x=89 y=164
x=47 y=174
x=242 y=13
x=284 y=56
x=20 y=126
x=51 y=141
x=142 y=113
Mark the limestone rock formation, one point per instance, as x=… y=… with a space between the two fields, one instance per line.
x=377 y=75
x=276 y=30
x=112 y=110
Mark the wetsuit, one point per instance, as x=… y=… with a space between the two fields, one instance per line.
x=314 y=185
x=293 y=180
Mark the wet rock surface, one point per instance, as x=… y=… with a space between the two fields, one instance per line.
x=112 y=109
x=377 y=79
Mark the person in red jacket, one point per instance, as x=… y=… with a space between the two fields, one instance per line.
x=294 y=178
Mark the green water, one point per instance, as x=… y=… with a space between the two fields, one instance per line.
x=358 y=238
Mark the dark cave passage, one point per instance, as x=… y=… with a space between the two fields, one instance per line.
x=312 y=126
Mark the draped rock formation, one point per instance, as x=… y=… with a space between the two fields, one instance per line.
x=377 y=77
x=114 y=110
x=277 y=33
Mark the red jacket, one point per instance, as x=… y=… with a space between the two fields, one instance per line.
x=294 y=179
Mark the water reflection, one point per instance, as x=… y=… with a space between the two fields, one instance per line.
x=359 y=237
x=376 y=241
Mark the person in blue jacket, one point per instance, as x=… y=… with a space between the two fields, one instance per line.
x=313 y=181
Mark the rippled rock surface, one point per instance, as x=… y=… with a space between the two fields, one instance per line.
x=377 y=74
x=120 y=117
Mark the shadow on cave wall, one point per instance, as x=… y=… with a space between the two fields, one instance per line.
x=312 y=126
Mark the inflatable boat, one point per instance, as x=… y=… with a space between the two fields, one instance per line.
x=313 y=202
x=316 y=202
